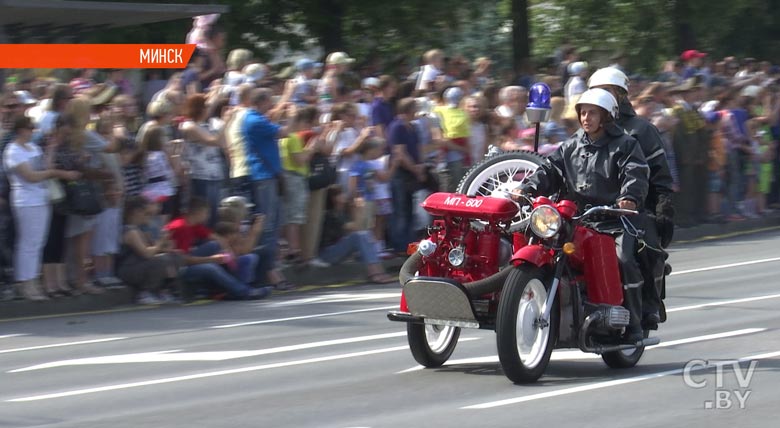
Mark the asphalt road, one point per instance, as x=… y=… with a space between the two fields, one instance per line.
x=331 y=359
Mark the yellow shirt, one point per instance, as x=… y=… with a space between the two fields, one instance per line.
x=454 y=122
x=289 y=146
x=236 y=145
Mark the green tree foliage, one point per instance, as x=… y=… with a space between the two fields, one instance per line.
x=647 y=31
x=601 y=28
x=737 y=27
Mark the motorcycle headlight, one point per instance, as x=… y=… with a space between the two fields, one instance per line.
x=426 y=247
x=545 y=221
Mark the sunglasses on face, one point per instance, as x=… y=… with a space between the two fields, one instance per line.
x=12 y=105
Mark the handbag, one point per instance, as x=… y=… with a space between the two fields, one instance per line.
x=56 y=192
x=323 y=174
x=83 y=197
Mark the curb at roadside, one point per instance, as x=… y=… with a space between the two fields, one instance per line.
x=335 y=277
x=711 y=232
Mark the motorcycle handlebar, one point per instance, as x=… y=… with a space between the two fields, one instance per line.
x=605 y=210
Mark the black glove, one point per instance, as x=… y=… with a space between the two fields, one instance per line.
x=664 y=218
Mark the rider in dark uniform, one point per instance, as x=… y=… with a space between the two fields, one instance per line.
x=601 y=165
x=659 y=227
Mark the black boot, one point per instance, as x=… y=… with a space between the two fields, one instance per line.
x=632 y=301
x=652 y=291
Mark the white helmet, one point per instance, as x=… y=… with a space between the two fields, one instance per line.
x=608 y=76
x=599 y=97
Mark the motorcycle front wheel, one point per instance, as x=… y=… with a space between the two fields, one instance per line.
x=432 y=345
x=498 y=175
x=524 y=345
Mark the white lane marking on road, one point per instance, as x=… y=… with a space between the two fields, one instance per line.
x=684 y=272
x=176 y=356
x=207 y=375
x=723 y=302
x=126 y=358
x=305 y=317
x=8 y=336
x=336 y=298
x=579 y=355
x=59 y=345
x=607 y=384
x=730 y=265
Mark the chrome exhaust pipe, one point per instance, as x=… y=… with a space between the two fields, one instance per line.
x=600 y=349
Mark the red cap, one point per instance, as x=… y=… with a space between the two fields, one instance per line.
x=691 y=54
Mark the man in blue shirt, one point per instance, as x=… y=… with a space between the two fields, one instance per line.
x=265 y=164
x=381 y=109
x=402 y=138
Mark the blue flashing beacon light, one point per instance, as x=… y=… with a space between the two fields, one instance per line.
x=538 y=108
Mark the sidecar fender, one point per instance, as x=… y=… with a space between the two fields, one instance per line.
x=537 y=255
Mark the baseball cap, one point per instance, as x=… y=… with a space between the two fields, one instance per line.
x=370 y=82
x=691 y=54
x=253 y=72
x=339 y=58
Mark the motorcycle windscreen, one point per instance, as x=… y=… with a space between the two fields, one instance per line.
x=599 y=261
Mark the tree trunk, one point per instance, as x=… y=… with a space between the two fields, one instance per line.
x=327 y=25
x=684 y=36
x=521 y=43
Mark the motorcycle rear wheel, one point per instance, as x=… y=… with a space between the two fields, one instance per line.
x=432 y=345
x=524 y=348
x=624 y=359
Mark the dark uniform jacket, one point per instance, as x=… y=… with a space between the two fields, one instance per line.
x=652 y=147
x=594 y=172
x=659 y=195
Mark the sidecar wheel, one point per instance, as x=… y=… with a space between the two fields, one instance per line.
x=525 y=347
x=432 y=345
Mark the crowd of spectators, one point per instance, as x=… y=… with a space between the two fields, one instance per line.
x=208 y=181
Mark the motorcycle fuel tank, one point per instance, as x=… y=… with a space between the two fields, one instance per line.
x=478 y=208
x=596 y=254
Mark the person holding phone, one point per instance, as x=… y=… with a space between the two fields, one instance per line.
x=146 y=267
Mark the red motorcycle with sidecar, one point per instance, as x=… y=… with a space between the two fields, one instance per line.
x=554 y=283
